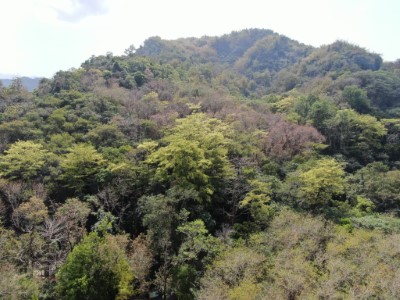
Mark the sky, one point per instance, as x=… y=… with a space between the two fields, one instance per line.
x=41 y=37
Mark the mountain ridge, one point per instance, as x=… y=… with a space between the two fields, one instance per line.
x=262 y=62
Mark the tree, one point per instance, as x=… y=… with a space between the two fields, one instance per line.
x=160 y=217
x=349 y=259
x=354 y=135
x=382 y=87
x=195 y=253
x=182 y=249
x=106 y=135
x=141 y=259
x=15 y=285
x=297 y=242
x=285 y=140
x=28 y=218
x=24 y=160
x=60 y=143
x=61 y=233
x=30 y=214
x=183 y=163
x=376 y=183
x=96 y=269
x=81 y=166
x=233 y=271
x=11 y=132
x=195 y=156
x=317 y=185
x=320 y=112
x=257 y=201
x=73 y=215
x=357 y=99
x=130 y=51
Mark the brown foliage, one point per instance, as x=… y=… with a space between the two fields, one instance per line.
x=141 y=260
x=286 y=140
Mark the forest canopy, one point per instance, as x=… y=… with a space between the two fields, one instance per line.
x=244 y=166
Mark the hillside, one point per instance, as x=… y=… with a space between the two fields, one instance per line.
x=245 y=166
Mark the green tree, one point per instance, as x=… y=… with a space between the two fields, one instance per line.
x=183 y=163
x=320 y=112
x=196 y=240
x=96 y=269
x=303 y=107
x=160 y=218
x=318 y=184
x=81 y=166
x=354 y=135
x=357 y=99
x=195 y=253
x=60 y=143
x=195 y=156
x=376 y=183
x=257 y=201
x=106 y=135
x=24 y=160
x=183 y=249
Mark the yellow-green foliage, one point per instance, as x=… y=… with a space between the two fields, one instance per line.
x=195 y=155
x=321 y=183
x=257 y=200
x=234 y=273
x=80 y=166
x=303 y=257
x=24 y=160
x=284 y=105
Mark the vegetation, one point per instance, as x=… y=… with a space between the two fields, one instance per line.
x=246 y=166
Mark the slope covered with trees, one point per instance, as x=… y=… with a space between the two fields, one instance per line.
x=243 y=166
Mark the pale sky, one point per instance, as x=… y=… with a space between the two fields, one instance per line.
x=41 y=37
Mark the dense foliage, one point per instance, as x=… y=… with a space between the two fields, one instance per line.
x=246 y=166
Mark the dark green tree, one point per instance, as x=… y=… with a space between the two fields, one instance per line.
x=357 y=98
x=96 y=269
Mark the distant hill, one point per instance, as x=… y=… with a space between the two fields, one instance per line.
x=266 y=61
x=247 y=51
x=29 y=83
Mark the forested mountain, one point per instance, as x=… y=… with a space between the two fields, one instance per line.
x=246 y=166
